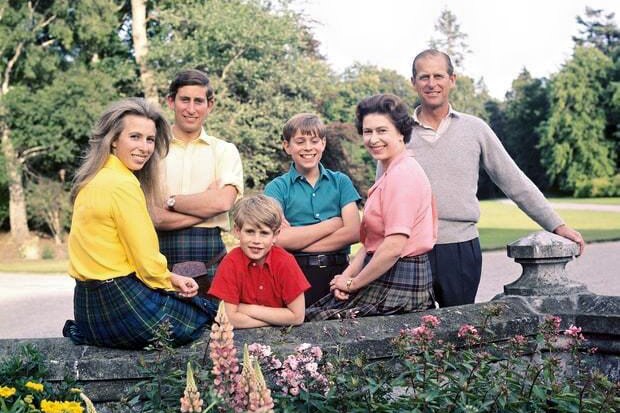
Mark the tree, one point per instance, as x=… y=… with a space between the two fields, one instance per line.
x=141 y=49
x=527 y=107
x=263 y=64
x=25 y=32
x=451 y=40
x=360 y=81
x=48 y=48
x=573 y=145
x=599 y=30
x=49 y=204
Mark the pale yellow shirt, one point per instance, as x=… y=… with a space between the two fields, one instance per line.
x=112 y=234
x=191 y=167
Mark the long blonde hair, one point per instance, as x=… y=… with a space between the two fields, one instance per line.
x=107 y=130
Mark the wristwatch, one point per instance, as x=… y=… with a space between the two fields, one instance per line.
x=349 y=282
x=171 y=201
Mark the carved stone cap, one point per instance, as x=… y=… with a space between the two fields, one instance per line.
x=542 y=244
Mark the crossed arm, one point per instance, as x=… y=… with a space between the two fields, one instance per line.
x=192 y=209
x=329 y=235
x=254 y=315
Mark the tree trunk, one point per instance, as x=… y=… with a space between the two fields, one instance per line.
x=17 y=201
x=141 y=49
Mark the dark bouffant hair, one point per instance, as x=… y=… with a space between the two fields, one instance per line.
x=386 y=104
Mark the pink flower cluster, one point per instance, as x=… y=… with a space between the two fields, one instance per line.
x=574 y=332
x=420 y=334
x=253 y=384
x=298 y=372
x=519 y=340
x=469 y=333
x=265 y=356
x=431 y=321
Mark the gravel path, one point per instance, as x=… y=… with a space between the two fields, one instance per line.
x=37 y=305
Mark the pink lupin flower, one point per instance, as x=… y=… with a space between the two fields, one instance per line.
x=223 y=355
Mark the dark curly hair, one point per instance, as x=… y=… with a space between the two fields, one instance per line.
x=386 y=104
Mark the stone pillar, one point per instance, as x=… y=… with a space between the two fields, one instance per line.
x=543 y=256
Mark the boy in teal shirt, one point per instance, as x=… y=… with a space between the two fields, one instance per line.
x=321 y=219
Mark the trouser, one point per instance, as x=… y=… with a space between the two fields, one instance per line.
x=456 y=272
x=319 y=270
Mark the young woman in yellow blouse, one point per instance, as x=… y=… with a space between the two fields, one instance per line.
x=124 y=294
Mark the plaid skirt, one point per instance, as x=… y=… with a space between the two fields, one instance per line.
x=191 y=244
x=404 y=288
x=125 y=313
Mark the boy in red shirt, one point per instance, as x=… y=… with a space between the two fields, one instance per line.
x=261 y=284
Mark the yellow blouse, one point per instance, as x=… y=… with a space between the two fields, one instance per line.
x=112 y=234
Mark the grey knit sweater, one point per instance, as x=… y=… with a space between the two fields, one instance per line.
x=452 y=163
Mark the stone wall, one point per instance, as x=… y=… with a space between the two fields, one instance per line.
x=105 y=374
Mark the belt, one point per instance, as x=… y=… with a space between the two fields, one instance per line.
x=99 y=283
x=322 y=260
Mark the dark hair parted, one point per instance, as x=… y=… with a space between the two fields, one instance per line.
x=434 y=53
x=191 y=77
x=259 y=210
x=304 y=123
x=386 y=104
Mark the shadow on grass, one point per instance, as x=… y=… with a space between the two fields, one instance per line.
x=498 y=238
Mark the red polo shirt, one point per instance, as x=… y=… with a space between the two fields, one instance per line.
x=278 y=282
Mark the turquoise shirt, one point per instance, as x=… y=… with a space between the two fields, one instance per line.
x=304 y=204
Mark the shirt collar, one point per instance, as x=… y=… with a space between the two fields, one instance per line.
x=114 y=163
x=451 y=112
x=247 y=262
x=203 y=137
x=294 y=175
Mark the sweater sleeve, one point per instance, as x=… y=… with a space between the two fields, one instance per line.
x=514 y=183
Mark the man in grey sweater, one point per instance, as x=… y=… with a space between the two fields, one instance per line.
x=451 y=147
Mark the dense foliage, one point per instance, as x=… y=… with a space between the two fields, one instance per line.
x=62 y=61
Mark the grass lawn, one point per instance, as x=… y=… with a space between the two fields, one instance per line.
x=599 y=201
x=37 y=266
x=502 y=223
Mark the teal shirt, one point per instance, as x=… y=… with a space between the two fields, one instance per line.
x=305 y=205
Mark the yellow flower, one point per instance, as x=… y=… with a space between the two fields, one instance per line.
x=34 y=386
x=6 y=392
x=61 y=407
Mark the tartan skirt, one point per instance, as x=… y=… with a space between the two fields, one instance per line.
x=404 y=288
x=124 y=313
x=191 y=244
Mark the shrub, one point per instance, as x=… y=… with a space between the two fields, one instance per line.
x=23 y=388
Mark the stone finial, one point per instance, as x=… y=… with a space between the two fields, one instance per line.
x=543 y=256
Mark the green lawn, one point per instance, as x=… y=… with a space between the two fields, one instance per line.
x=599 y=201
x=502 y=223
x=38 y=266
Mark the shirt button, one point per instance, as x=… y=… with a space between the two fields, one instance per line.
x=253 y=264
x=316 y=215
x=260 y=287
x=313 y=194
